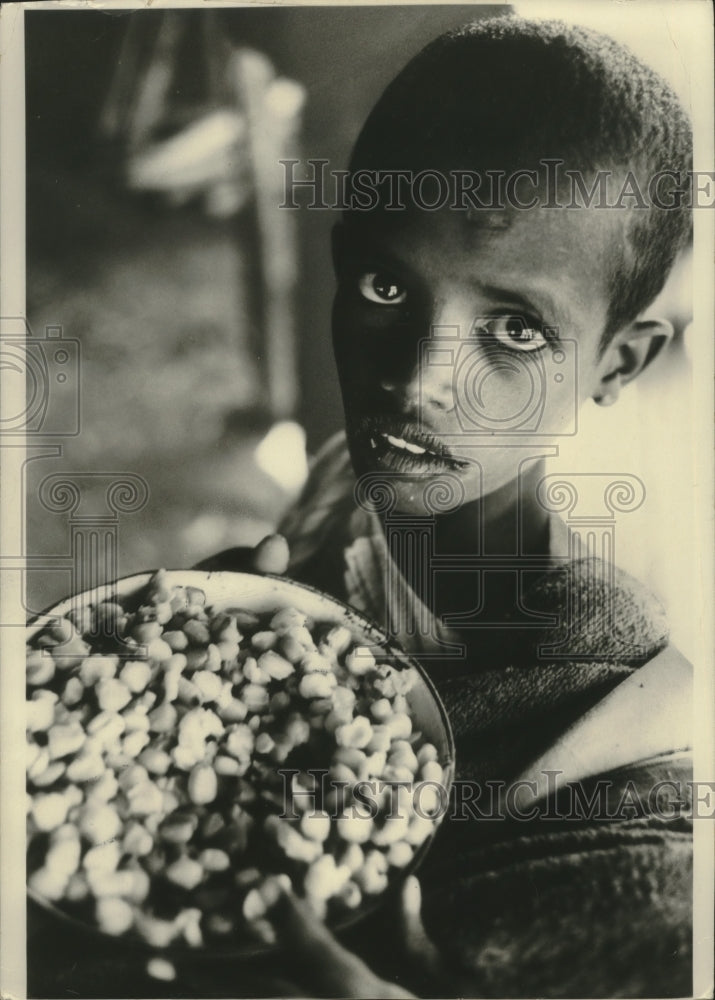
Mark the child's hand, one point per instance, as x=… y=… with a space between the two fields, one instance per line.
x=269 y=556
x=335 y=971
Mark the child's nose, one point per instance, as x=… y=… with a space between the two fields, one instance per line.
x=425 y=378
x=424 y=386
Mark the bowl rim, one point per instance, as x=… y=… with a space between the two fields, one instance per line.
x=392 y=648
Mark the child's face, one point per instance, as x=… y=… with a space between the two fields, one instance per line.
x=465 y=347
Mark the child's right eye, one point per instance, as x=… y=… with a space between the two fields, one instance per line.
x=381 y=287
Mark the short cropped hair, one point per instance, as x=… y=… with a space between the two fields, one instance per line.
x=505 y=93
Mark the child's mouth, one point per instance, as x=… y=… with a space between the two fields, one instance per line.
x=405 y=447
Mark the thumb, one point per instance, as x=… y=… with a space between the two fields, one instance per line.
x=415 y=938
x=271 y=555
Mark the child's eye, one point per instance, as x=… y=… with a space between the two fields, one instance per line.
x=514 y=333
x=381 y=287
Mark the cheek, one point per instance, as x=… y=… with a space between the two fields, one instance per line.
x=516 y=393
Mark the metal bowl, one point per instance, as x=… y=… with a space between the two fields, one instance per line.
x=264 y=594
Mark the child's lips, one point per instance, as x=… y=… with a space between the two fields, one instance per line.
x=406 y=442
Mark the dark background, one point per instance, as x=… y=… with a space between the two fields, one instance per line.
x=156 y=295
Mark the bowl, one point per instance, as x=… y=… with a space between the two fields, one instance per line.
x=261 y=595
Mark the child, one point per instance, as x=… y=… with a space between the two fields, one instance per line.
x=429 y=514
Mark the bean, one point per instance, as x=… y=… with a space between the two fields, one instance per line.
x=209 y=684
x=427 y=752
x=189 y=923
x=360 y=661
x=137 y=840
x=263 y=641
x=313 y=663
x=196 y=596
x=112 y=694
x=339 y=639
x=399 y=726
x=49 y=884
x=100 y=822
x=159 y=651
x=50 y=775
x=203 y=785
x=234 y=711
x=73 y=692
x=350 y=895
x=163 y=718
x=77 y=888
x=154 y=760
x=158 y=933
x=381 y=740
x=324 y=878
x=357 y=733
x=63 y=855
x=161 y=969
x=214 y=860
x=418 y=831
x=253 y=905
x=40 y=667
x=134 y=743
x=352 y=857
x=355 y=825
x=177 y=640
x=402 y=755
x=372 y=877
x=144 y=799
x=432 y=771
x=146 y=632
x=255 y=697
x=315 y=825
x=214 y=657
x=104 y=788
x=253 y=673
x=197 y=633
x=185 y=872
x=39 y=715
x=178 y=829
x=135 y=674
x=392 y=830
x=103 y=857
x=317 y=685
x=49 y=811
x=114 y=915
x=275 y=666
x=288 y=618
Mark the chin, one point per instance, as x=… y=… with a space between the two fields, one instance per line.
x=385 y=488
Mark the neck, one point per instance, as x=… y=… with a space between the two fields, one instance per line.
x=509 y=521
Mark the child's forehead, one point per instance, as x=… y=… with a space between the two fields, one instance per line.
x=541 y=239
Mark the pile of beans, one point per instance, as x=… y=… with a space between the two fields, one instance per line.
x=177 y=756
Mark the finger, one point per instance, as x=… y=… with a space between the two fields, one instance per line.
x=335 y=971
x=416 y=941
x=271 y=555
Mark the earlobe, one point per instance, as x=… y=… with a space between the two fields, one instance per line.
x=632 y=349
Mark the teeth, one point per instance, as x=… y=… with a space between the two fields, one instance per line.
x=405 y=445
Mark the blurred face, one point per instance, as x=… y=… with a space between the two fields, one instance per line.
x=464 y=348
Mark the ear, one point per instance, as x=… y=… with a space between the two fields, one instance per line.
x=630 y=351
x=337 y=245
